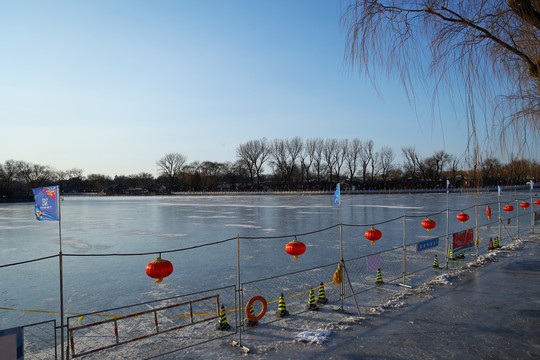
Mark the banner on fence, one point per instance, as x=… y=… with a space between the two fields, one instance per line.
x=462 y=242
x=427 y=244
x=373 y=262
x=537 y=218
x=11 y=344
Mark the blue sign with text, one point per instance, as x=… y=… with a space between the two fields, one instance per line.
x=427 y=244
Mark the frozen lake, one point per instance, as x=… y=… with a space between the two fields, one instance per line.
x=110 y=227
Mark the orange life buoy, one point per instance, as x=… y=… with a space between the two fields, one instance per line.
x=250 y=303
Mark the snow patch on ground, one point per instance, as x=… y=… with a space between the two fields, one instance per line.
x=394 y=302
x=319 y=336
x=443 y=279
x=344 y=324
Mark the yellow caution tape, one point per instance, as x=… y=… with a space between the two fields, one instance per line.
x=178 y=316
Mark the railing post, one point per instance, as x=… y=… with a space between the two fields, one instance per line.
x=156 y=320
x=404 y=262
x=342 y=285
x=239 y=290
x=517 y=214
x=116 y=331
x=477 y=242
x=447 y=237
x=500 y=219
x=532 y=205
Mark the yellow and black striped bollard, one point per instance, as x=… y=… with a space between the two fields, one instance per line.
x=312 y=305
x=250 y=323
x=436 y=262
x=282 y=309
x=379 y=277
x=223 y=324
x=322 y=296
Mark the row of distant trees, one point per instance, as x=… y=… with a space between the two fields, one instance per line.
x=284 y=164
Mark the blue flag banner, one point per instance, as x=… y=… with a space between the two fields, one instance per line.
x=499 y=190
x=46 y=203
x=532 y=185
x=447 y=186
x=337 y=199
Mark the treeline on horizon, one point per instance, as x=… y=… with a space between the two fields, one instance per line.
x=294 y=165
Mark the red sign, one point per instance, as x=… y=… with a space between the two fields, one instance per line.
x=463 y=242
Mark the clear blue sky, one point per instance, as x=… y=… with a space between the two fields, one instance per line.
x=111 y=86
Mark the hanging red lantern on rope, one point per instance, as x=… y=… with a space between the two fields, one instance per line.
x=524 y=204
x=508 y=208
x=295 y=248
x=537 y=202
x=159 y=269
x=462 y=217
x=373 y=235
x=428 y=224
x=488 y=212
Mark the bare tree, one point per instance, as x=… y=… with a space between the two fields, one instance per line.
x=366 y=154
x=170 y=166
x=33 y=175
x=318 y=156
x=374 y=161
x=190 y=176
x=210 y=173
x=284 y=155
x=454 y=167
x=329 y=150
x=254 y=153
x=409 y=164
x=488 y=166
x=8 y=173
x=278 y=157
x=435 y=164
x=421 y=165
x=386 y=158
x=307 y=157
x=98 y=181
x=352 y=157
x=342 y=148
x=294 y=149
x=485 y=52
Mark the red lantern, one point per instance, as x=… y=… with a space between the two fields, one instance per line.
x=537 y=202
x=373 y=235
x=524 y=204
x=428 y=224
x=295 y=248
x=159 y=269
x=488 y=212
x=508 y=208
x=462 y=217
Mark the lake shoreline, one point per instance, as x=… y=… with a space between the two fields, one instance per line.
x=288 y=193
